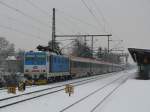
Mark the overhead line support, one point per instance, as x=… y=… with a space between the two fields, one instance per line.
x=83 y=35
x=53 y=30
x=98 y=35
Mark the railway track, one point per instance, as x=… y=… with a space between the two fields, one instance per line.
x=59 y=84
x=5 y=102
x=5 y=89
x=123 y=78
x=107 y=96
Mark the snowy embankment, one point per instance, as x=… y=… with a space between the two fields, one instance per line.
x=4 y=94
x=60 y=100
x=133 y=96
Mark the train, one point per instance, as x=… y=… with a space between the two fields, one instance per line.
x=44 y=67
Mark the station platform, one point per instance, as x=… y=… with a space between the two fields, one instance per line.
x=132 y=96
x=142 y=58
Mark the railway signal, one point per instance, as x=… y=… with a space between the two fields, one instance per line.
x=69 y=89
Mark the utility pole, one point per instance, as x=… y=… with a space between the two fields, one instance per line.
x=53 y=30
x=52 y=47
x=108 y=43
x=92 y=46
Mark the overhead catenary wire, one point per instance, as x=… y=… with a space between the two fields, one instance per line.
x=37 y=7
x=66 y=46
x=40 y=9
x=77 y=19
x=45 y=12
x=91 y=12
x=22 y=32
x=66 y=26
x=15 y=9
x=24 y=23
x=23 y=13
x=104 y=18
x=74 y=27
x=100 y=13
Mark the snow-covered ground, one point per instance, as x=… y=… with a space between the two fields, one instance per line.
x=4 y=94
x=132 y=96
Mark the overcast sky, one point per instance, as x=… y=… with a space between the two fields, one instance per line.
x=127 y=20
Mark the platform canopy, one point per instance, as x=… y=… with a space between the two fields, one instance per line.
x=140 y=56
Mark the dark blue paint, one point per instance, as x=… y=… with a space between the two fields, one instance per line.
x=59 y=63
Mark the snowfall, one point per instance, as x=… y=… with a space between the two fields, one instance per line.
x=131 y=96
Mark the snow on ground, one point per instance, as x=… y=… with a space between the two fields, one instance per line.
x=4 y=94
x=57 y=101
x=133 y=96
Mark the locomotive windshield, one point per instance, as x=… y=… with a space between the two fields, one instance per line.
x=35 y=58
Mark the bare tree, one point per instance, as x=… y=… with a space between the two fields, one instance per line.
x=80 y=49
x=110 y=57
x=6 y=49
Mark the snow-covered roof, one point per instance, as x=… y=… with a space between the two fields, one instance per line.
x=11 y=58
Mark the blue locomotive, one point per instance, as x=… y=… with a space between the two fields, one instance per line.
x=43 y=67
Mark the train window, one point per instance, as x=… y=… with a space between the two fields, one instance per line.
x=85 y=65
x=80 y=64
